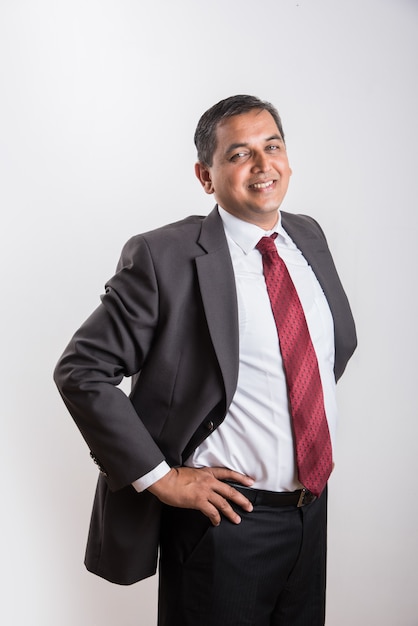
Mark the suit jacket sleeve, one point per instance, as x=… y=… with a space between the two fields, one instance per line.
x=113 y=343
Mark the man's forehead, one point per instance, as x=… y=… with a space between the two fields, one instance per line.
x=245 y=126
x=240 y=120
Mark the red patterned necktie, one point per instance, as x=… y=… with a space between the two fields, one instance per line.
x=310 y=427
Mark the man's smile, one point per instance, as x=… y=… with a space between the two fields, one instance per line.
x=264 y=185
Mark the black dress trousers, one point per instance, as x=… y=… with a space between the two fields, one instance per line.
x=269 y=570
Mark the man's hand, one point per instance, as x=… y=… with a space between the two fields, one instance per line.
x=203 y=489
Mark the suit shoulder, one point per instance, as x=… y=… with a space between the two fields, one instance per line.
x=190 y=224
x=180 y=236
x=302 y=222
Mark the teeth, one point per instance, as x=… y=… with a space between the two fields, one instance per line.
x=262 y=185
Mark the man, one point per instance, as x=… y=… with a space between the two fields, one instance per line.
x=222 y=452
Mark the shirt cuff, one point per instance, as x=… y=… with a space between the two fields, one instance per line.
x=149 y=479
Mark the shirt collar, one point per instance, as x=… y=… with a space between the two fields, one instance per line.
x=247 y=235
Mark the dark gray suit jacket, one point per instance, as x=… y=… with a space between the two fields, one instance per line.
x=169 y=319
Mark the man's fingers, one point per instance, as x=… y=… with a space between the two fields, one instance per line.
x=217 y=508
x=229 y=493
x=203 y=489
x=222 y=473
x=213 y=513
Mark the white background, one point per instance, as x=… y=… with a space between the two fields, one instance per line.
x=98 y=105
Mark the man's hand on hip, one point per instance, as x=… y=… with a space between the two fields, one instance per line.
x=203 y=489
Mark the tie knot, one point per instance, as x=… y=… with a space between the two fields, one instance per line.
x=266 y=244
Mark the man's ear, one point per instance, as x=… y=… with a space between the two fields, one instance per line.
x=203 y=174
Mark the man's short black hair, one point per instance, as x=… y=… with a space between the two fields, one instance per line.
x=205 y=135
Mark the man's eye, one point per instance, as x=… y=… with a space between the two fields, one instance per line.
x=272 y=148
x=238 y=155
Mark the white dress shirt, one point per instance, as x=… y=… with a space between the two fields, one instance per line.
x=256 y=436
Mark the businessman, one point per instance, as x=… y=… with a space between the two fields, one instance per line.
x=234 y=328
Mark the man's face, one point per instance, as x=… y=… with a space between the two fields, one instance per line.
x=250 y=172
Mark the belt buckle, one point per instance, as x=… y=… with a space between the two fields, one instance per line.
x=306 y=497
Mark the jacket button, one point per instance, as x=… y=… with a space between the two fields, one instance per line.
x=210 y=425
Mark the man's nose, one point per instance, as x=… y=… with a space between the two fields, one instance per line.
x=260 y=162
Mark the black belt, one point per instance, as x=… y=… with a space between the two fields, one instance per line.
x=261 y=497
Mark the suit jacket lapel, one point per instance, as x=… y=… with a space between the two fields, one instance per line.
x=217 y=286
